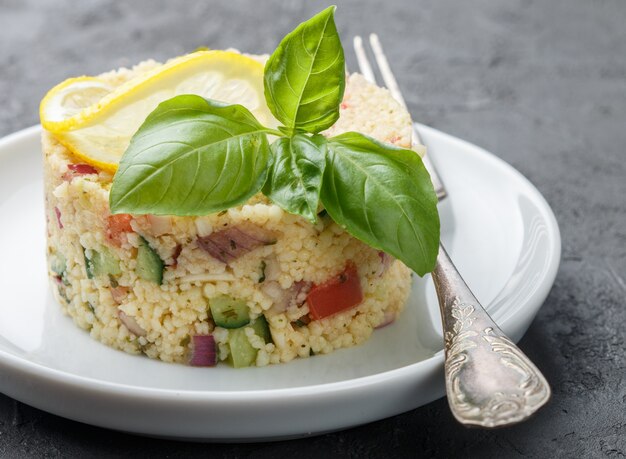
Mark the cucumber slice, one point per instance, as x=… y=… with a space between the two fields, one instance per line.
x=88 y=264
x=58 y=263
x=100 y=263
x=242 y=354
x=228 y=312
x=262 y=329
x=149 y=265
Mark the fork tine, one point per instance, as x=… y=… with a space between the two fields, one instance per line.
x=385 y=69
x=394 y=89
x=364 y=63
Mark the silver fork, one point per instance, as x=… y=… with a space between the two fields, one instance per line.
x=489 y=380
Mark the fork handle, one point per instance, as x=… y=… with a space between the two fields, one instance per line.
x=489 y=380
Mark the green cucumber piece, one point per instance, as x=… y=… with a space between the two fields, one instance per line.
x=262 y=329
x=58 y=263
x=242 y=354
x=228 y=312
x=101 y=263
x=88 y=264
x=149 y=265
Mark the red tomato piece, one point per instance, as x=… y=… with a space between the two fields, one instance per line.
x=117 y=226
x=337 y=294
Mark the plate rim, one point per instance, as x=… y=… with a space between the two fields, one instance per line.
x=51 y=375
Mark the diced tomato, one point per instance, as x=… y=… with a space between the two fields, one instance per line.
x=75 y=170
x=337 y=294
x=117 y=226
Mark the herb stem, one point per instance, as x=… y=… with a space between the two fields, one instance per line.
x=274 y=132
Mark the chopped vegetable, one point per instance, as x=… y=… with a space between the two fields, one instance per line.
x=389 y=318
x=119 y=293
x=101 y=262
x=285 y=298
x=338 y=294
x=261 y=328
x=242 y=354
x=279 y=296
x=159 y=224
x=229 y=244
x=177 y=251
x=57 y=212
x=76 y=170
x=117 y=226
x=203 y=351
x=302 y=321
x=228 y=312
x=149 y=265
x=385 y=262
x=58 y=263
x=130 y=323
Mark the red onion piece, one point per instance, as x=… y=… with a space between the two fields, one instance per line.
x=279 y=296
x=177 y=251
x=203 y=351
x=300 y=291
x=159 y=224
x=57 y=212
x=131 y=324
x=229 y=244
x=76 y=170
x=119 y=293
x=389 y=318
x=283 y=299
x=385 y=262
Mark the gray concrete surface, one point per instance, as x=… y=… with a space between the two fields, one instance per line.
x=542 y=84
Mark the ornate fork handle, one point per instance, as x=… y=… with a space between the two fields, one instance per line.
x=489 y=380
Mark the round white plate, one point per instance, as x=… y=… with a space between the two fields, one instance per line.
x=497 y=227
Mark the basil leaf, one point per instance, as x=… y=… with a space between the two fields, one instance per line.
x=191 y=156
x=383 y=196
x=305 y=76
x=295 y=177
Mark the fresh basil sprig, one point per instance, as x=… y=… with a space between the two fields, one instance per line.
x=295 y=178
x=305 y=76
x=382 y=195
x=191 y=156
x=194 y=156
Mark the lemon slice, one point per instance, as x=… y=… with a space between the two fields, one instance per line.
x=96 y=122
x=70 y=98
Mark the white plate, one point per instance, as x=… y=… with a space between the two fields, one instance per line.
x=496 y=226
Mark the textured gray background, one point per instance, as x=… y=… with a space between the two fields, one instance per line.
x=542 y=84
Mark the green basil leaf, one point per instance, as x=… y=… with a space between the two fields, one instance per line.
x=305 y=75
x=383 y=196
x=295 y=177
x=191 y=156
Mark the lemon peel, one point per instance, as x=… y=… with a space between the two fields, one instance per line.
x=96 y=122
